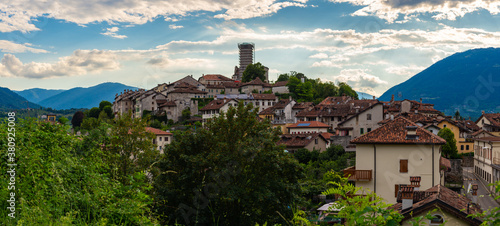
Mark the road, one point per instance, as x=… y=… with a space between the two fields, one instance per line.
x=485 y=200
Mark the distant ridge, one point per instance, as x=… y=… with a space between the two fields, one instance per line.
x=85 y=97
x=362 y=95
x=468 y=82
x=36 y=95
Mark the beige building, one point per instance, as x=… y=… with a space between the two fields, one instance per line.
x=386 y=157
x=487 y=159
x=309 y=141
x=490 y=123
x=161 y=139
x=363 y=122
x=216 y=107
x=255 y=85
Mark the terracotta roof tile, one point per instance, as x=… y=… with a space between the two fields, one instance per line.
x=335 y=100
x=298 y=140
x=395 y=132
x=309 y=124
x=216 y=77
x=215 y=104
x=167 y=104
x=494 y=118
x=302 y=105
x=157 y=131
x=281 y=83
x=263 y=96
x=188 y=90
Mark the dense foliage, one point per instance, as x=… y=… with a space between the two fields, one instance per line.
x=450 y=148
x=253 y=71
x=230 y=173
x=63 y=179
x=304 y=89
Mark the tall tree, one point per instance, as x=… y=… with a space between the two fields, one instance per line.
x=77 y=119
x=94 y=112
x=103 y=104
x=450 y=148
x=236 y=173
x=253 y=71
x=283 y=77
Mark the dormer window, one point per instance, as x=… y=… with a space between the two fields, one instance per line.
x=411 y=133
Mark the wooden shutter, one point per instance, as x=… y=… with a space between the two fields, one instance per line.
x=403 y=165
x=396 y=189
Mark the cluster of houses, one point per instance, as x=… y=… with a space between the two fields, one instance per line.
x=393 y=140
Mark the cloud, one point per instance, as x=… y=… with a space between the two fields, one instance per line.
x=11 y=47
x=173 y=26
x=79 y=63
x=260 y=8
x=407 y=71
x=112 y=33
x=390 y=10
x=319 y=56
x=18 y=15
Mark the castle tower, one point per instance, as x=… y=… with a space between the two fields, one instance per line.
x=246 y=57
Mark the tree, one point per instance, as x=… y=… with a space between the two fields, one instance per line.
x=94 y=112
x=236 y=173
x=63 y=120
x=186 y=114
x=344 y=88
x=450 y=148
x=109 y=111
x=366 y=209
x=283 y=77
x=77 y=119
x=103 y=104
x=253 y=71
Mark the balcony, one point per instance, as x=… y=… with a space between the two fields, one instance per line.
x=357 y=175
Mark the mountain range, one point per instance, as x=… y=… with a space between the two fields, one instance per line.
x=11 y=100
x=468 y=82
x=76 y=97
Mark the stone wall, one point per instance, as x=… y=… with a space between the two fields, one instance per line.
x=468 y=161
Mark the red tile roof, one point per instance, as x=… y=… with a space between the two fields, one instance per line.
x=216 y=77
x=215 y=104
x=488 y=139
x=184 y=85
x=326 y=135
x=167 y=104
x=309 y=124
x=443 y=198
x=298 y=140
x=302 y=105
x=335 y=100
x=481 y=131
x=263 y=96
x=494 y=118
x=414 y=117
x=395 y=132
x=157 y=131
x=281 y=83
x=188 y=90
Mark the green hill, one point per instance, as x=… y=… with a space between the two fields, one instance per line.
x=85 y=97
x=468 y=82
x=11 y=100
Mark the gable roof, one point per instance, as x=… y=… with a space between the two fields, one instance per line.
x=216 y=104
x=263 y=96
x=395 y=132
x=280 y=83
x=494 y=118
x=445 y=199
x=216 y=77
x=360 y=112
x=481 y=131
x=188 y=90
x=157 y=131
x=488 y=139
x=309 y=124
x=298 y=140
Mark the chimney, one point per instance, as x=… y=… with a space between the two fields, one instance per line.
x=290 y=97
x=392 y=98
x=474 y=193
x=420 y=100
x=416 y=111
x=411 y=133
x=374 y=97
x=392 y=117
x=415 y=182
x=406 y=197
x=482 y=112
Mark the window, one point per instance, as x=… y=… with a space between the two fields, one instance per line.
x=257 y=103
x=436 y=219
x=467 y=147
x=166 y=138
x=368 y=130
x=361 y=131
x=368 y=116
x=444 y=126
x=160 y=147
x=403 y=165
x=160 y=138
x=396 y=190
x=462 y=147
x=316 y=141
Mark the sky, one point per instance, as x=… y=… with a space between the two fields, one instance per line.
x=370 y=44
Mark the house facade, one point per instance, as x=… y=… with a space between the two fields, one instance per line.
x=309 y=141
x=387 y=156
x=302 y=127
x=490 y=123
x=161 y=139
x=487 y=159
x=216 y=107
x=363 y=122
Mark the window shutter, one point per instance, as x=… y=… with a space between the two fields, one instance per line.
x=403 y=166
x=396 y=189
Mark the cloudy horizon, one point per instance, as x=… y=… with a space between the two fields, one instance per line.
x=370 y=44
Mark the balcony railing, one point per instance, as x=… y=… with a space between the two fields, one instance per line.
x=357 y=175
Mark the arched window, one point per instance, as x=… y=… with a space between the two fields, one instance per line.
x=436 y=219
